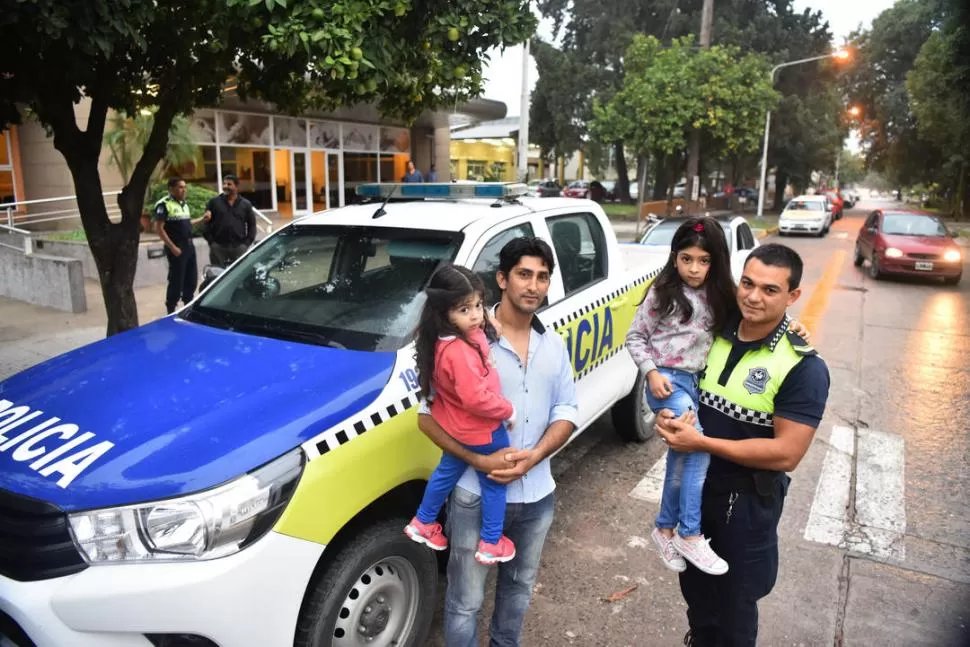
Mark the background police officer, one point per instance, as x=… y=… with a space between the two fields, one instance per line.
x=173 y=223
x=231 y=227
x=763 y=394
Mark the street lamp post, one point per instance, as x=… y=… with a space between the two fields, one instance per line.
x=839 y=54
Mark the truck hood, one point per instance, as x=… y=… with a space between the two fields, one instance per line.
x=171 y=408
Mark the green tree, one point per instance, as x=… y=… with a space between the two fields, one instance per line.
x=720 y=91
x=125 y=138
x=852 y=168
x=125 y=55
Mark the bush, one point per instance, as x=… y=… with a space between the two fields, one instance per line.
x=196 y=196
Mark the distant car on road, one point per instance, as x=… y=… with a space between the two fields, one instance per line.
x=544 y=189
x=741 y=240
x=806 y=214
x=908 y=243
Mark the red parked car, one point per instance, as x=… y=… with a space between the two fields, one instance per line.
x=577 y=189
x=908 y=243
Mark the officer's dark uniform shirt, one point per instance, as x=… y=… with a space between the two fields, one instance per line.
x=801 y=397
x=178 y=224
x=231 y=224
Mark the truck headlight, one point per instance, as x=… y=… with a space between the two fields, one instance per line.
x=951 y=255
x=207 y=525
x=892 y=252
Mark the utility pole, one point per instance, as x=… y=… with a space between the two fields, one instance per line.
x=524 y=117
x=694 y=146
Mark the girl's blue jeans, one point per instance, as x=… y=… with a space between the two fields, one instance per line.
x=684 y=481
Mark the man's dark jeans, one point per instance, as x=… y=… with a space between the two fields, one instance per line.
x=225 y=255
x=183 y=276
x=723 y=609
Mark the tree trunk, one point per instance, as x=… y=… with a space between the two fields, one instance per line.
x=781 y=181
x=114 y=246
x=622 y=175
x=662 y=177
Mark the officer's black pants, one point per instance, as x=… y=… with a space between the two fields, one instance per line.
x=183 y=276
x=723 y=609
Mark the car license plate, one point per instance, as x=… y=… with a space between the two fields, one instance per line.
x=924 y=266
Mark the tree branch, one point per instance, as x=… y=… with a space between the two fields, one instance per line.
x=94 y=134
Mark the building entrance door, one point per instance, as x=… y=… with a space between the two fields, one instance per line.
x=301 y=193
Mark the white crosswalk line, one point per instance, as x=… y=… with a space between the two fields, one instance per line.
x=878 y=526
x=840 y=235
x=651 y=486
x=826 y=520
x=880 y=499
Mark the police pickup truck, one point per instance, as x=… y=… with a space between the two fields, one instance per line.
x=239 y=473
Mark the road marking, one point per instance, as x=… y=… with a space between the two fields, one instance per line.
x=827 y=518
x=840 y=235
x=651 y=486
x=812 y=313
x=878 y=526
x=880 y=496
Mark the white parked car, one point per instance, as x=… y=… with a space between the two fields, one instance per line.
x=741 y=240
x=806 y=214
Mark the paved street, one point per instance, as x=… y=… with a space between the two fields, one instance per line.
x=875 y=538
x=876 y=531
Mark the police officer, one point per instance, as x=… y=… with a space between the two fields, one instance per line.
x=763 y=394
x=173 y=223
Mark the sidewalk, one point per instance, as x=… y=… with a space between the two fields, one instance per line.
x=30 y=334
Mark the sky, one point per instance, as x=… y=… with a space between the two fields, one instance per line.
x=504 y=72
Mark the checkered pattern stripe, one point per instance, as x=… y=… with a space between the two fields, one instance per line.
x=370 y=419
x=736 y=411
x=602 y=301
x=602 y=360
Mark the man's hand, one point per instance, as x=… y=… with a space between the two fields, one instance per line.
x=521 y=461
x=207 y=216
x=660 y=386
x=679 y=433
x=176 y=250
x=800 y=329
x=495 y=461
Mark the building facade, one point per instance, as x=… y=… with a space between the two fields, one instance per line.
x=287 y=165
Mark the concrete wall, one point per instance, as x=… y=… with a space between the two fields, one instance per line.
x=51 y=281
x=149 y=271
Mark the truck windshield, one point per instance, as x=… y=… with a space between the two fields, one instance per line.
x=358 y=288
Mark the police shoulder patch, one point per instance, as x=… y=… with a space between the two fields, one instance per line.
x=799 y=345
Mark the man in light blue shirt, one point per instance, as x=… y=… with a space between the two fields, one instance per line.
x=537 y=378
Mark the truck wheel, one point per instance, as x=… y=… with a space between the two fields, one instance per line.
x=632 y=418
x=379 y=591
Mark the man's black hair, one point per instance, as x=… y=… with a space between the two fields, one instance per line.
x=777 y=255
x=516 y=248
x=232 y=178
x=174 y=181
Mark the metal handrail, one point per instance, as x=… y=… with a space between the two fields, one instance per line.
x=7 y=205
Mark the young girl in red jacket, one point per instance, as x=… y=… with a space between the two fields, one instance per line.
x=455 y=363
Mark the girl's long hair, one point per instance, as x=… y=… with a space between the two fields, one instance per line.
x=707 y=234
x=449 y=286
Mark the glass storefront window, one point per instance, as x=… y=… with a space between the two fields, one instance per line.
x=253 y=167
x=236 y=128
x=202 y=125
x=6 y=188
x=395 y=140
x=476 y=170
x=202 y=172
x=324 y=134
x=289 y=132
x=394 y=167
x=4 y=148
x=358 y=137
x=359 y=168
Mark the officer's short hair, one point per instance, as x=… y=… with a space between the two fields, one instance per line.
x=777 y=255
x=174 y=181
x=231 y=178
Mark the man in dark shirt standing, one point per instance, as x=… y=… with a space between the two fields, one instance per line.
x=413 y=174
x=173 y=224
x=231 y=228
x=763 y=394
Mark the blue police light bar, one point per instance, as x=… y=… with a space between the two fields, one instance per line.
x=446 y=190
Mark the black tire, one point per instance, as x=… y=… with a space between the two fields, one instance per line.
x=874 y=272
x=367 y=580
x=859 y=259
x=632 y=419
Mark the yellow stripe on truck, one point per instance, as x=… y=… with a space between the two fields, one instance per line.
x=338 y=485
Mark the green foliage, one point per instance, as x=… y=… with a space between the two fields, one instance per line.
x=125 y=138
x=852 y=168
x=669 y=91
x=560 y=108
x=196 y=197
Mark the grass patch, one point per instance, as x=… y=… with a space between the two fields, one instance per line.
x=619 y=211
x=75 y=235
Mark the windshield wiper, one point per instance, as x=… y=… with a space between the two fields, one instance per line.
x=286 y=333
x=197 y=315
